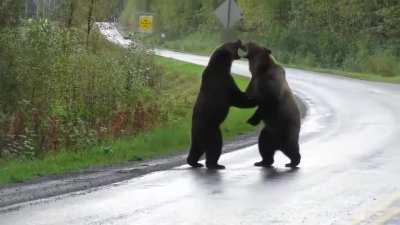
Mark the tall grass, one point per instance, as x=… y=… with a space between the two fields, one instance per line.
x=179 y=86
x=202 y=42
x=55 y=92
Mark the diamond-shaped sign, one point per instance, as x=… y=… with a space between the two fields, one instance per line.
x=228 y=13
x=146 y=23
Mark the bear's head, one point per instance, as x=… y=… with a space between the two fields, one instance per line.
x=229 y=50
x=259 y=61
x=224 y=55
x=254 y=51
x=233 y=49
x=260 y=58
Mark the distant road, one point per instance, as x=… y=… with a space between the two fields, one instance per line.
x=350 y=173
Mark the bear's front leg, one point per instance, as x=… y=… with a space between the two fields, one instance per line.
x=256 y=118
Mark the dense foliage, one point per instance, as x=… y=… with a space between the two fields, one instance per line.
x=63 y=88
x=56 y=93
x=351 y=34
x=355 y=35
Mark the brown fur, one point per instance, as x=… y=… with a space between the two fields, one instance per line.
x=218 y=92
x=277 y=107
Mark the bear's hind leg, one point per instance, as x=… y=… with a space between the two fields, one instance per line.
x=195 y=153
x=267 y=147
x=214 y=149
x=194 y=156
x=292 y=151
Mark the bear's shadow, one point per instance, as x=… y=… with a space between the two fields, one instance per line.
x=215 y=177
x=212 y=175
x=273 y=173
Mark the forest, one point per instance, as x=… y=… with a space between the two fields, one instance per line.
x=352 y=35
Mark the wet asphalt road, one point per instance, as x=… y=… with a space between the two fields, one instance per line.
x=350 y=173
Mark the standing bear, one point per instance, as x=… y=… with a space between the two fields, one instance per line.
x=218 y=92
x=276 y=107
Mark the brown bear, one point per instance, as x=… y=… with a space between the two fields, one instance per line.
x=218 y=92
x=276 y=107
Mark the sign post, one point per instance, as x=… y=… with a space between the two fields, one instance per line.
x=228 y=14
x=145 y=18
x=146 y=23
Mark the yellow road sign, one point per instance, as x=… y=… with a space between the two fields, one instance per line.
x=146 y=23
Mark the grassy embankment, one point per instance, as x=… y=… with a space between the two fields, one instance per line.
x=181 y=82
x=205 y=43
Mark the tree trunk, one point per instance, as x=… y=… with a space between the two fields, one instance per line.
x=71 y=14
x=90 y=21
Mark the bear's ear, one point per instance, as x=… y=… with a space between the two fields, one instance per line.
x=238 y=42
x=268 y=51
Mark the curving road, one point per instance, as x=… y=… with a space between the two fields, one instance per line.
x=350 y=173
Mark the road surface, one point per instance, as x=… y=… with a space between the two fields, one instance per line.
x=350 y=173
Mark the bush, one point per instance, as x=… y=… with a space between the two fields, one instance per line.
x=384 y=63
x=55 y=92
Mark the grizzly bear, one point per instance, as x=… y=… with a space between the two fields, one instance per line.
x=218 y=92
x=276 y=107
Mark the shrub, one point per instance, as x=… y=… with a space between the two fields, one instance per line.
x=382 y=62
x=55 y=92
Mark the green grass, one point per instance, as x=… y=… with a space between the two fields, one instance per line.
x=199 y=44
x=181 y=82
x=235 y=124
x=360 y=76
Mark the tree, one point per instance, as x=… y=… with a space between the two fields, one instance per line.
x=11 y=11
x=90 y=20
